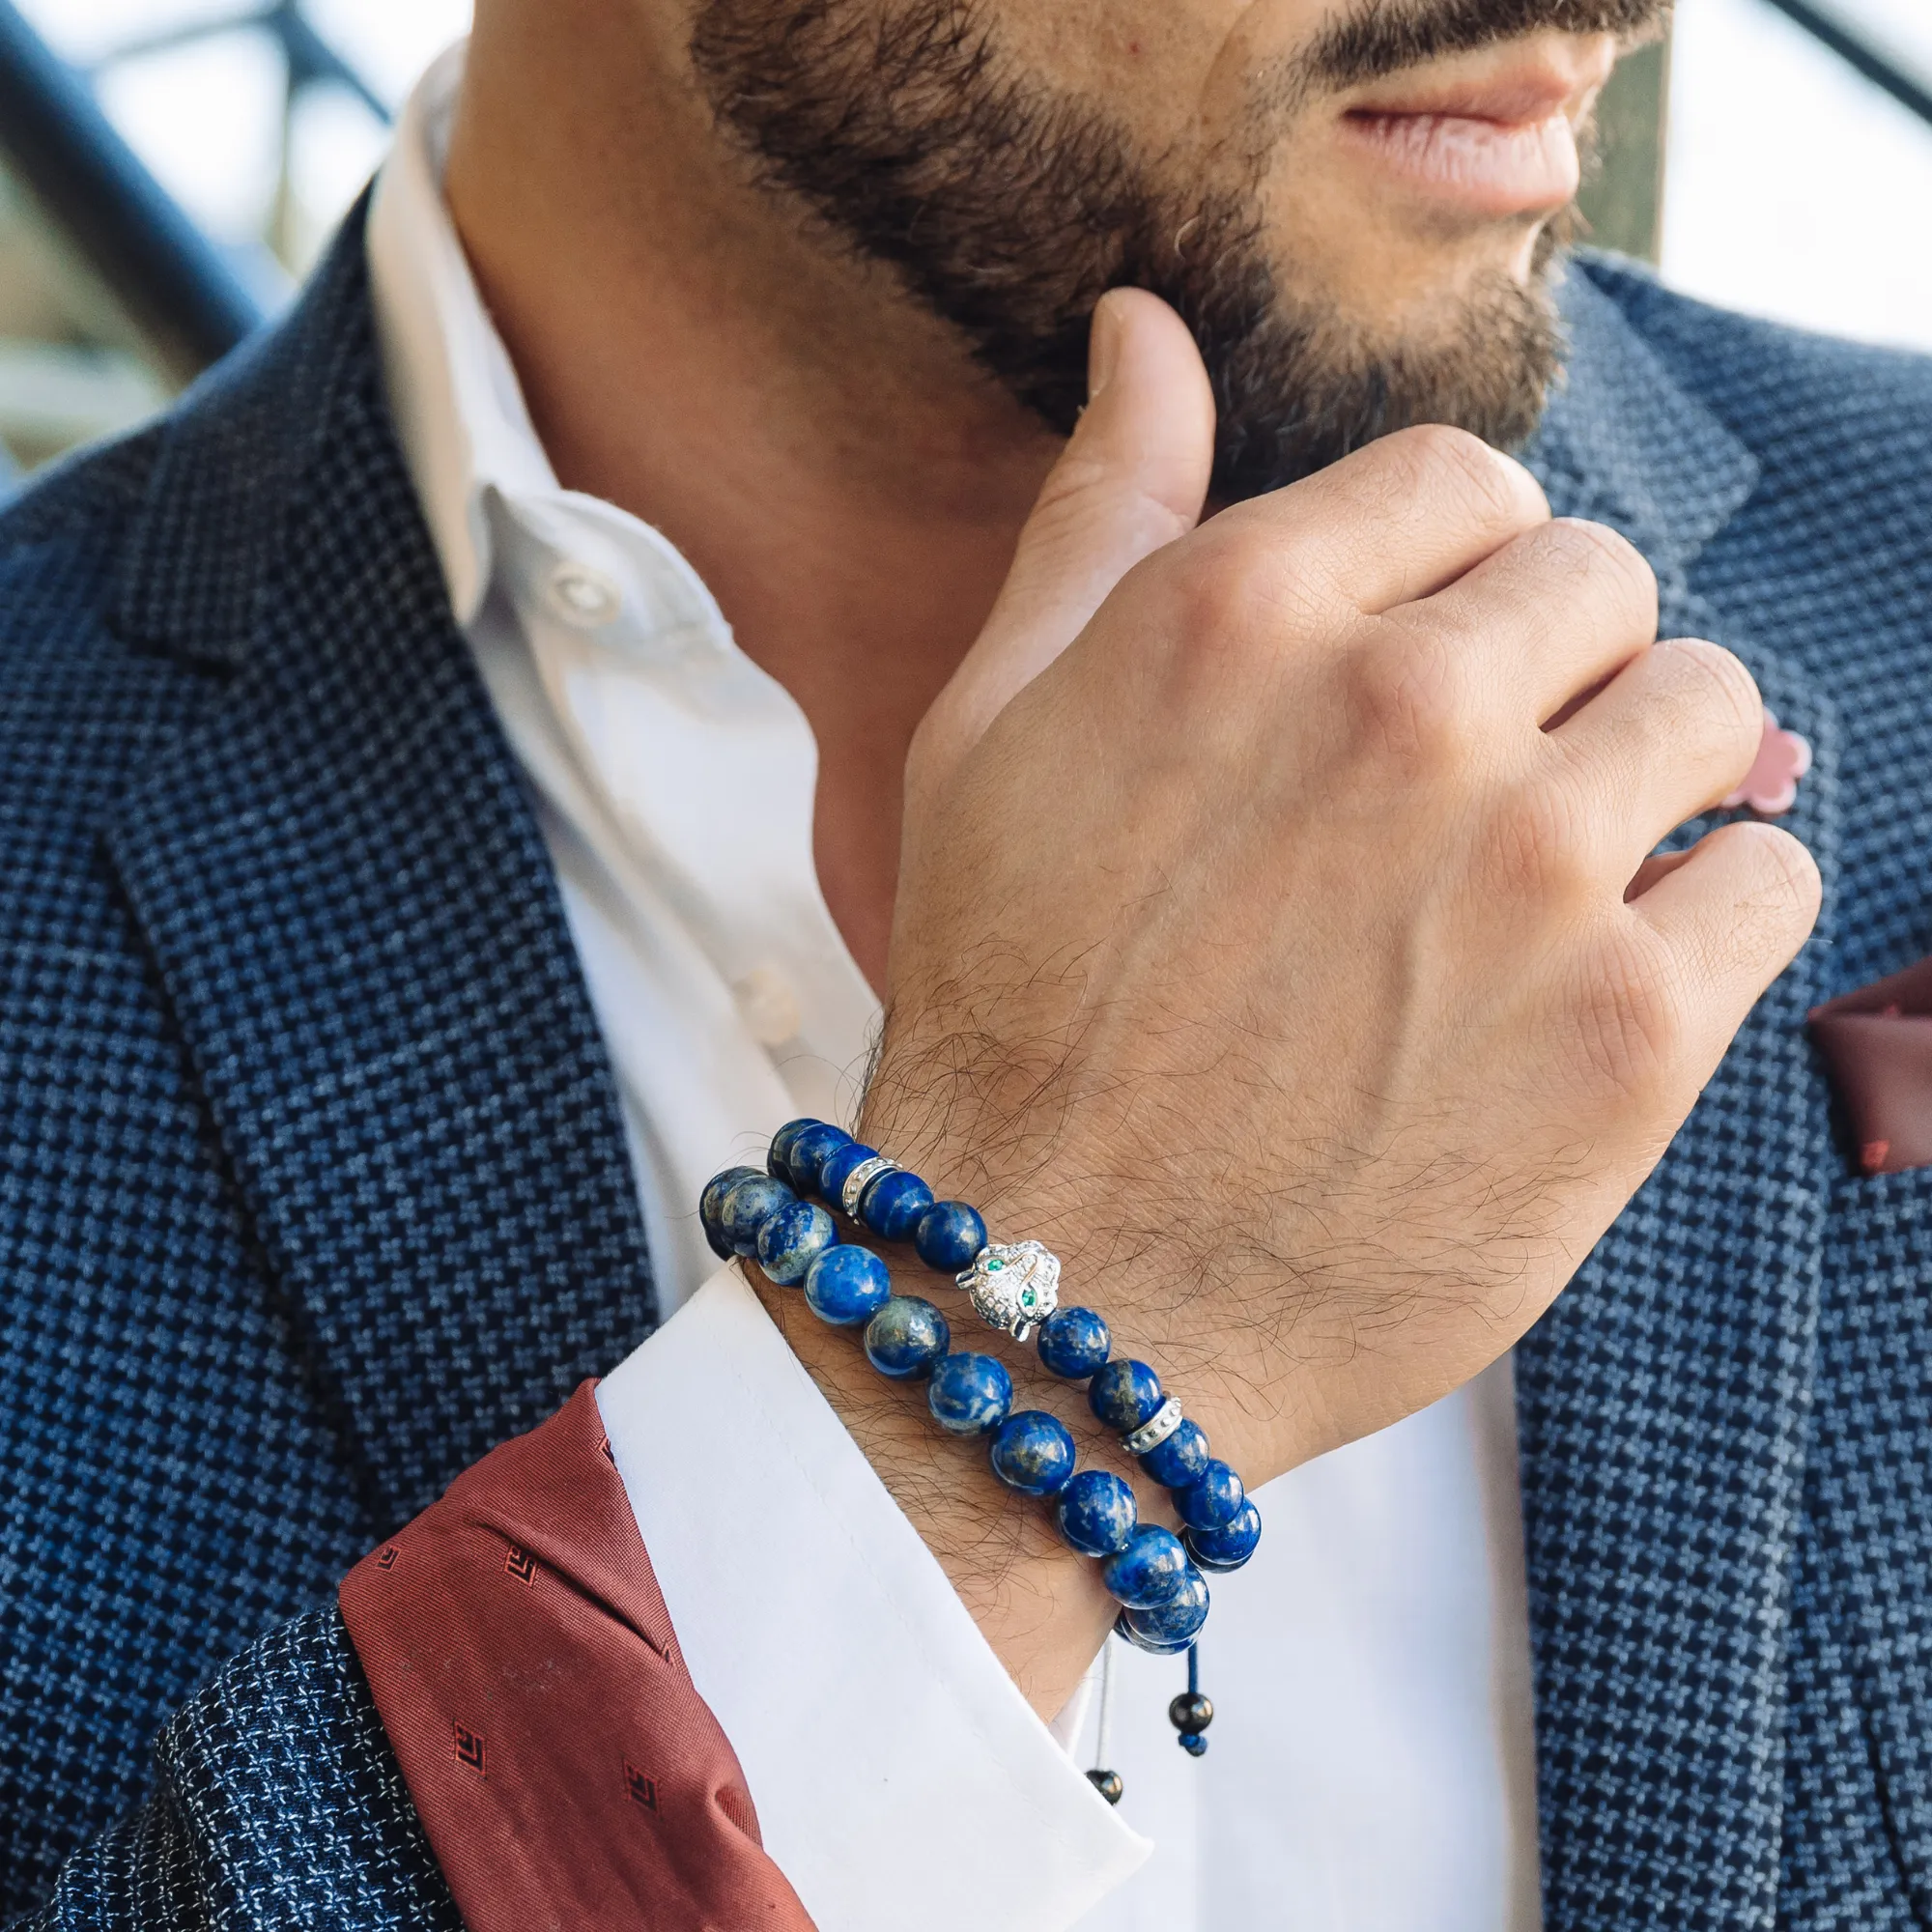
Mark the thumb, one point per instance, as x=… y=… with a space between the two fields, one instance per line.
x=1131 y=479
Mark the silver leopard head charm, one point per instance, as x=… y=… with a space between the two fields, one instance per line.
x=1014 y=1288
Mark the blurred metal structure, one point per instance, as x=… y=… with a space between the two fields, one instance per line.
x=308 y=63
x=92 y=186
x=1855 y=45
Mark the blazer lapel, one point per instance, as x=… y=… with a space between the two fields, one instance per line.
x=1663 y=1399
x=354 y=915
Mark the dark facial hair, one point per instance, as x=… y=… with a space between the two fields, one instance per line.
x=1010 y=207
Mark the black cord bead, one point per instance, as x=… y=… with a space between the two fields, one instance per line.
x=1107 y=1783
x=1190 y=1714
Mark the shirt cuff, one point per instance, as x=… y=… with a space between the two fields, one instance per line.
x=880 y=1736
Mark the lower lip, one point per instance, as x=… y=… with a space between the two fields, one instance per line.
x=1488 y=167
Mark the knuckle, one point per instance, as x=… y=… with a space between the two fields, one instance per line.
x=1410 y=697
x=1791 y=878
x=1233 y=607
x=1211 y=588
x=1538 y=848
x=1437 y=459
x=1611 y=567
x=1718 y=687
x=1634 y=1027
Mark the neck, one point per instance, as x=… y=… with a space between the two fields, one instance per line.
x=826 y=455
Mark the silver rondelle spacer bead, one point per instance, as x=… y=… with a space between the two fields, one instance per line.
x=1155 y=1429
x=862 y=1178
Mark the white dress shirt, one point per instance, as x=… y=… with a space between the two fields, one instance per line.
x=1371 y=1764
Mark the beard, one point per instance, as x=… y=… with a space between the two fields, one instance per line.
x=1009 y=209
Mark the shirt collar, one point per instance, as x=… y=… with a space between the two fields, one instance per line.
x=460 y=413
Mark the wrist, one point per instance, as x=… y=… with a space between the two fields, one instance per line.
x=1040 y=1604
x=1206 y=1302
x=1041 y=1613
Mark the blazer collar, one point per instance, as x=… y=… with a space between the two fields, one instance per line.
x=1622 y=443
x=351 y=909
x=1663 y=1400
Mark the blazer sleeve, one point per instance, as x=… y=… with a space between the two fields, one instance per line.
x=492 y=1729
x=277 y=1803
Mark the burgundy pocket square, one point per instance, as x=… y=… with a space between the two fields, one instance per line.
x=1876 y=1048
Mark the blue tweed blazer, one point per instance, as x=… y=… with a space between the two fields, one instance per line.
x=312 y=1186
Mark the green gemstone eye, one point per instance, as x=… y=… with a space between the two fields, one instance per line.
x=994 y=1266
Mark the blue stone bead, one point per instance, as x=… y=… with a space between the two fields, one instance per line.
x=1150 y=1569
x=906 y=1337
x=970 y=1394
x=838 y=1165
x=1125 y=1630
x=1231 y=1545
x=1171 y=1626
x=1191 y=1741
x=792 y=1239
x=846 y=1286
x=1033 y=1453
x=1097 y=1513
x=1181 y=1458
x=777 y=1158
x=809 y=1153
x=1124 y=1395
x=1073 y=1343
x=1214 y=1500
x=711 y=1207
x=893 y=1203
x=948 y=1235
x=749 y=1206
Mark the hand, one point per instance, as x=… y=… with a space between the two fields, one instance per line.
x=1275 y=939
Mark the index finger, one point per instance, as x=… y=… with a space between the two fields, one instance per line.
x=1397 y=521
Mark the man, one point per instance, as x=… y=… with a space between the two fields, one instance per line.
x=684 y=575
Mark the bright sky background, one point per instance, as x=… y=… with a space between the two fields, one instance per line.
x=1796 y=189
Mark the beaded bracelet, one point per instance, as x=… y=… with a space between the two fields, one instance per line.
x=1155 y=1576
x=1016 y=1289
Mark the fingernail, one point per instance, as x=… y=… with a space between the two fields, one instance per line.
x=1104 y=347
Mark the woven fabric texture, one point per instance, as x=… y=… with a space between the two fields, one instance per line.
x=313 y=1186
x=278 y=1806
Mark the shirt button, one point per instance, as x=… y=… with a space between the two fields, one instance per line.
x=584 y=597
x=769 y=1006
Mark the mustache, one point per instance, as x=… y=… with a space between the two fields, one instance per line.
x=1383 y=37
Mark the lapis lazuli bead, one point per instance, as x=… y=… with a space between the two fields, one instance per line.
x=1181 y=1458
x=1097 y=1513
x=1150 y=1569
x=836 y=1167
x=810 y=1152
x=711 y=1207
x=893 y=1203
x=1170 y=1626
x=1074 y=1342
x=970 y=1395
x=948 y=1235
x=847 y=1285
x=778 y=1157
x=749 y=1206
x=792 y=1239
x=1212 y=1499
x=906 y=1337
x=1231 y=1545
x=1191 y=1741
x=1125 y=1394
x=1033 y=1452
